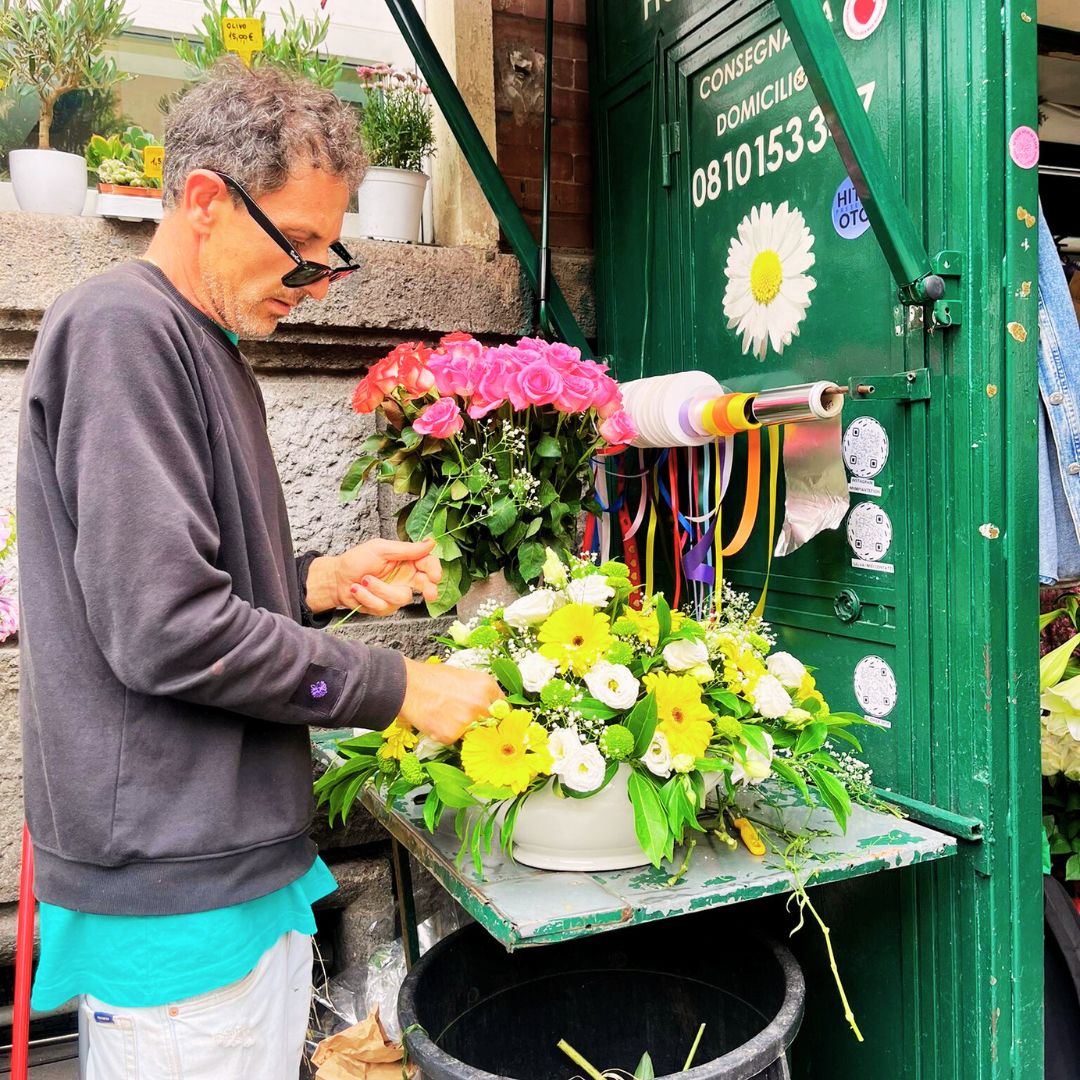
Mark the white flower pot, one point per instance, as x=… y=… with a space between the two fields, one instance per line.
x=48 y=181
x=592 y=834
x=389 y=204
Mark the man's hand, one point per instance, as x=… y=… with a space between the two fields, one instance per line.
x=442 y=701
x=377 y=577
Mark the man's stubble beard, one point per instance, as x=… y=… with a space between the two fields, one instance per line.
x=236 y=312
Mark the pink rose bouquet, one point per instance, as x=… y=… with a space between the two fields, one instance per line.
x=9 y=605
x=494 y=444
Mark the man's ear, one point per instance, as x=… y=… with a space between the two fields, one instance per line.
x=205 y=199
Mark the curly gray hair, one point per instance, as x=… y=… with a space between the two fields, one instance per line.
x=258 y=126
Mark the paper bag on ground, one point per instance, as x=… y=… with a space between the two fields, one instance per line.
x=361 y=1052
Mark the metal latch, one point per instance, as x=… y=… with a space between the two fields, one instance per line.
x=949 y=309
x=907 y=386
x=670 y=144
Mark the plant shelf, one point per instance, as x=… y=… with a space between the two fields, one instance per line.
x=520 y=906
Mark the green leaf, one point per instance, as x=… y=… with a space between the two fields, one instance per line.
x=787 y=773
x=547 y=494
x=451 y=784
x=663 y=619
x=846 y=736
x=812 y=737
x=508 y=675
x=592 y=709
x=1044 y=620
x=833 y=792
x=569 y=793
x=531 y=560
x=446 y=547
x=755 y=738
x=645 y=1070
x=458 y=491
x=534 y=527
x=501 y=516
x=351 y=481
x=418 y=523
x=410 y=438
x=432 y=803
x=548 y=447
x=513 y=536
x=371 y=741
x=491 y=793
x=1052 y=665
x=642 y=723
x=449 y=589
x=476 y=481
x=1072 y=868
x=650 y=819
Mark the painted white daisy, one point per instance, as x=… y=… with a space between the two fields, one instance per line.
x=768 y=289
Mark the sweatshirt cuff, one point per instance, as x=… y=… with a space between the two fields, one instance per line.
x=385 y=689
x=308 y=617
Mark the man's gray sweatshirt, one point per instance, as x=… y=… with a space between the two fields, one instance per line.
x=167 y=681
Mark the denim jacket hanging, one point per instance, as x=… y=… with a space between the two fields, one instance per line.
x=1059 y=420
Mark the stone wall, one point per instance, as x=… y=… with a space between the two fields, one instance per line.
x=307 y=371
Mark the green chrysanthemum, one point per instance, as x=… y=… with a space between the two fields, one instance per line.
x=727 y=727
x=615 y=570
x=483 y=637
x=617 y=742
x=412 y=770
x=558 y=693
x=623 y=628
x=388 y=765
x=620 y=653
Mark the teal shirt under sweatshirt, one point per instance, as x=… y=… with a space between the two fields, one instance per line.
x=133 y=961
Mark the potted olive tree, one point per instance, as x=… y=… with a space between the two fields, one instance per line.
x=48 y=48
x=396 y=130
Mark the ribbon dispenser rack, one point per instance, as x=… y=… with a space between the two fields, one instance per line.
x=688 y=421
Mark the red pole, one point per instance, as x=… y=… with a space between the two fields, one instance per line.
x=24 y=961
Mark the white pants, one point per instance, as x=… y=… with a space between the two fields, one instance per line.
x=253 y=1029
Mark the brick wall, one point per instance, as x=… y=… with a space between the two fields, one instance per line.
x=518 y=32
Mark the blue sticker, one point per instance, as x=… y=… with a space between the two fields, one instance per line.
x=104 y=1018
x=848 y=216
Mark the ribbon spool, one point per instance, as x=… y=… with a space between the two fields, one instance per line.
x=660 y=408
x=798 y=404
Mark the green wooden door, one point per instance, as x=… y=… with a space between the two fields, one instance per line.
x=718 y=175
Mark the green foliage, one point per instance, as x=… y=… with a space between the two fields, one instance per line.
x=395 y=123
x=51 y=47
x=297 y=49
x=118 y=159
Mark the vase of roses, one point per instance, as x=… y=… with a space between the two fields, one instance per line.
x=493 y=444
x=618 y=725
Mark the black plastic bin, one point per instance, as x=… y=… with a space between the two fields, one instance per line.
x=486 y=1014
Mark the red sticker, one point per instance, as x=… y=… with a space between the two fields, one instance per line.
x=863 y=17
x=1024 y=147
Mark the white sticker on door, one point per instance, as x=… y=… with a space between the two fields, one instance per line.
x=866 y=447
x=869 y=532
x=875 y=686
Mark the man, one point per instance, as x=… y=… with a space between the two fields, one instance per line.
x=167 y=681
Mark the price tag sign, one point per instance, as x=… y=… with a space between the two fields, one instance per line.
x=153 y=162
x=243 y=36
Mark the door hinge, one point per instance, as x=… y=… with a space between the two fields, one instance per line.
x=670 y=144
x=907 y=386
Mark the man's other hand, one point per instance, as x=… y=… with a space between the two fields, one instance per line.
x=442 y=701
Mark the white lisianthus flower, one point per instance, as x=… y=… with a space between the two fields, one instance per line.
x=756 y=766
x=459 y=632
x=685 y=654
x=787 y=669
x=470 y=659
x=533 y=608
x=683 y=763
x=613 y=685
x=585 y=768
x=428 y=748
x=770 y=699
x=593 y=590
x=554 y=569
x=658 y=757
x=1053 y=759
x=702 y=672
x=563 y=744
x=536 y=671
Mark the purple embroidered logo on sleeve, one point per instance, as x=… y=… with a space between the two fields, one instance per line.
x=320 y=690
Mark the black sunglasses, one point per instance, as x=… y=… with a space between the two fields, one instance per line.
x=306 y=272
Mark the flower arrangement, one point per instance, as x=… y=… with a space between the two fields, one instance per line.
x=494 y=444
x=9 y=605
x=596 y=686
x=395 y=123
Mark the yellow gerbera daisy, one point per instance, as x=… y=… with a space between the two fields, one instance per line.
x=682 y=716
x=503 y=754
x=575 y=637
x=398 y=739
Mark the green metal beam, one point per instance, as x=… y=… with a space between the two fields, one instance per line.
x=861 y=151
x=484 y=167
